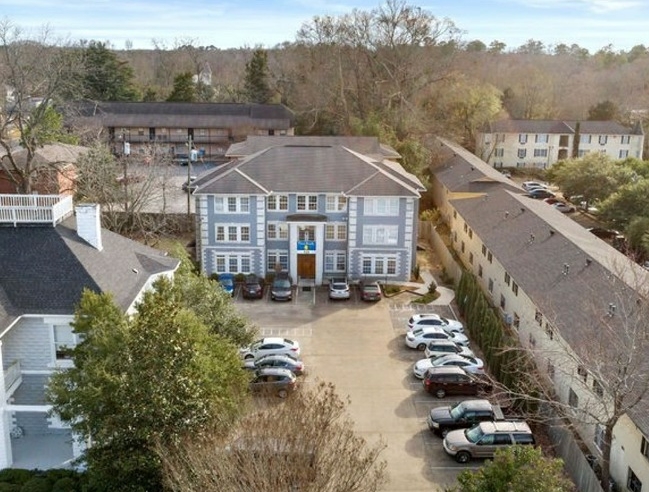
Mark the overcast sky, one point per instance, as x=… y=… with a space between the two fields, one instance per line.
x=592 y=24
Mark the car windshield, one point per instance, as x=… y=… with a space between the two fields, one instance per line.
x=372 y=288
x=282 y=284
x=474 y=434
x=444 y=320
x=340 y=286
x=418 y=332
x=457 y=410
x=226 y=282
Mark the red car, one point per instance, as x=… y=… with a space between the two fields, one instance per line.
x=370 y=291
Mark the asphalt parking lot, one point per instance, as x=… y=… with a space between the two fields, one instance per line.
x=360 y=348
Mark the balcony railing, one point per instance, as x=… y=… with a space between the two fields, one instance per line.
x=35 y=209
x=13 y=378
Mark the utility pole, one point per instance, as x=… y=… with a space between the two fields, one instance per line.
x=189 y=175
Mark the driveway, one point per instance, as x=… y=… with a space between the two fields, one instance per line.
x=359 y=347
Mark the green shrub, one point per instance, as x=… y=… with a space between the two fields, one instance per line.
x=9 y=487
x=415 y=271
x=240 y=278
x=37 y=484
x=15 y=475
x=66 y=484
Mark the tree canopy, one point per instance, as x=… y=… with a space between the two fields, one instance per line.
x=256 y=88
x=146 y=380
x=184 y=88
x=106 y=77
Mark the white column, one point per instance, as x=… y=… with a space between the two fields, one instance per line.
x=6 y=458
x=319 y=252
x=292 y=249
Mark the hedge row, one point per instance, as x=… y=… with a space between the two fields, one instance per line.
x=19 y=480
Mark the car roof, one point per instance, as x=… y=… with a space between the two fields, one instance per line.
x=446 y=370
x=417 y=317
x=278 y=371
x=505 y=426
x=431 y=329
x=454 y=357
x=273 y=340
x=276 y=356
x=476 y=404
x=443 y=341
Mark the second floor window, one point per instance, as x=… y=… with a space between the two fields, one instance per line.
x=542 y=138
x=625 y=139
x=381 y=235
x=277 y=202
x=500 y=152
x=381 y=206
x=603 y=139
x=522 y=138
x=231 y=204
x=336 y=203
x=277 y=230
x=336 y=232
x=540 y=152
x=522 y=153
x=307 y=202
x=233 y=233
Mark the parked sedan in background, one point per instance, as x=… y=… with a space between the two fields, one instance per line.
x=270 y=345
x=434 y=319
x=540 y=193
x=227 y=282
x=273 y=381
x=470 y=364
x=284 y=361
x=370 y=291
x=564 y=208
x=339 y=288
x=282 y=289
x=528 y=185
x=419 y=338
x=453 y=380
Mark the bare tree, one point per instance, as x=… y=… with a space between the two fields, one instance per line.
x=36 y=73
x=305 y=443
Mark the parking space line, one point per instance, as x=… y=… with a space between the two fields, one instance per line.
x=277 y=331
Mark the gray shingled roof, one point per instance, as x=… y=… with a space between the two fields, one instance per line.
x=43 y=270
x=310 y=169
x=558 y=126
x=186 y=115
x=58 y=153
x=533 y=242
x=368 y=146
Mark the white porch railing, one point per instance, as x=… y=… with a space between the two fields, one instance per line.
x=35 y=209
x=13 y=377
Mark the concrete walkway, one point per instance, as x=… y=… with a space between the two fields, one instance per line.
x=446 y=295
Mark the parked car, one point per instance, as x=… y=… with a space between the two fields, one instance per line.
x=339 y=288
x=483 y=439
x=253 y=287
x=434 y=319
x=469 y=363
x=370 y=291
x=419 y=338
x=286 y=361
x=564 y=208
x=540 y=193
x=552 y=200
x=282 y=288
x=462 y=415
x=274 y=381
x=189 y=185
x=440 y=348
x=270 y=345
x=453 y=380
x=227 y=282
x=528 y=185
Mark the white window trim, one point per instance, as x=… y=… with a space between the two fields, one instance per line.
x=276 y=253
x=223 y=200
x=372 y=206
x=239 y=257
x=338 y=235
x=307 y=203
x=226 y=235
x=279 y=227
x=382 y=259
x=390 y=233
x=277 y=207
x=335 y=255
x=76 y=339
x=339 y=203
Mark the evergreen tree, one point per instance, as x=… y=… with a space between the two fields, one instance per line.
x=256 y=86
x=184 y=89
x=107 y=78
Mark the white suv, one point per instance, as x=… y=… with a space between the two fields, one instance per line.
x=434 y=319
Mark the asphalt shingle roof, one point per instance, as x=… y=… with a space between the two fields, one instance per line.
x=43 y=270
x=559 y=126
x=311 y=169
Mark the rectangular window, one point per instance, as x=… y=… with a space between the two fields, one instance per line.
x=386 y=235
x=484 y=250
x=480 y=271
x=500 y=152
x=471 y=258
x=517 y=320
x=598 y=389
x=335 y=261
x=583 y=373
x=381 y=206
x=522 y=138
x=541 y=138
x=515 y=288
x=549 y=331
x=336 y=232
x=585 y=139
x=624 y=154
x=603 y=139
x=507 y=278
x=463 y=247
x=232 y=233
x=503 y=301
x=540 y=152
x=490 y=257
x=644 y=447
x=522 y=153
x=573 y=399
x=307 y=202
x=277 y=230
x=379 y=265
x=277 y=202
x=582 y=153
x=491 y=285
x=532 y=341
x=470 y=233
x=227 y=263
x=231 y=204
x=625 y=139
x=550 y=369
x=336 y=203
x=274 y=258
x=466 y=227
x=64 y=341
x=633 y=483
x=538 y=317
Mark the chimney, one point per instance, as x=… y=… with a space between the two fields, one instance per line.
x=89 y=224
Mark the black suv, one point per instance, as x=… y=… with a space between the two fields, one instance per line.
x=462 y=415
x=453 y=380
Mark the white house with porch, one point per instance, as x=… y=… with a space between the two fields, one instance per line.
x=50 y=252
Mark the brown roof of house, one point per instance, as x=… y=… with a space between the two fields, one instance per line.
x=558 y=126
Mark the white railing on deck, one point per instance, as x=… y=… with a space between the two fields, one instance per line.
x=35 y=209
x=12 y=375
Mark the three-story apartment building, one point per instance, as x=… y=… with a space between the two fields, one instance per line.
x=311 y=206
x=541 y=143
